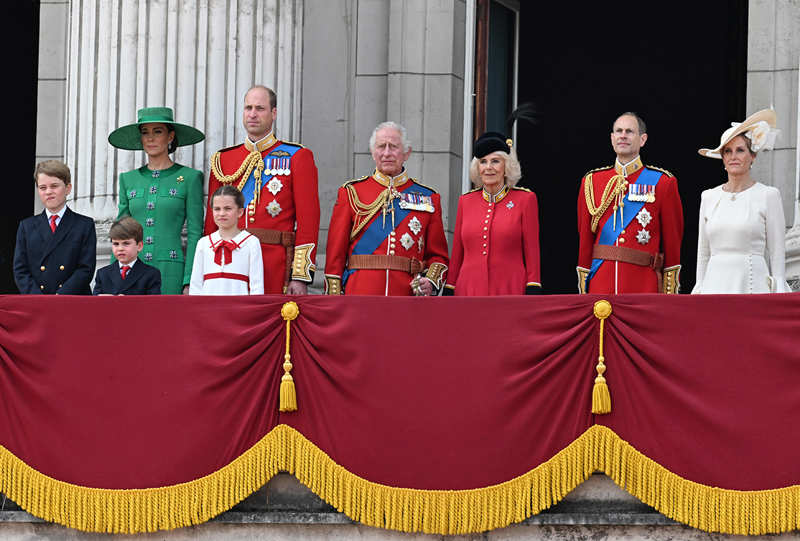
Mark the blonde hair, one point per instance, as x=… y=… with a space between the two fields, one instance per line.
x=513 y=170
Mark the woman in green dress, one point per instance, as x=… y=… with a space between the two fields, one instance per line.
x=162 y=195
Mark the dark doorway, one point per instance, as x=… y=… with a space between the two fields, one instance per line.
x=682 y=67
x=21 y=39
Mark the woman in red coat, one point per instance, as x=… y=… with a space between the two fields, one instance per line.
x=496 y=239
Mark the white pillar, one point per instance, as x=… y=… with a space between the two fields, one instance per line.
x=793 y=235
x=196 y=56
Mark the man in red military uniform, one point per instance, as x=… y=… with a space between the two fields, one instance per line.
x=279 y=182
x=630 y=221
x=386 y=235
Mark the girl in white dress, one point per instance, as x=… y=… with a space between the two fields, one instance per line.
x=228 y=261
x=740 y=245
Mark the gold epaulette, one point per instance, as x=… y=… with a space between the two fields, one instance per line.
x=475 y=189
x=415 y=181
x=226 y=149
x=521 y=188
x=598 y=169
x=293 y=143
x=351 y=181
x=659 y=169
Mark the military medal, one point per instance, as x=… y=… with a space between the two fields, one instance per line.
x=416 y=201
x=274 y=208
x=406 y=241
x=643 y=236
x=414 y=225
x=510 y=205
x=644 y=217
x=274 y=186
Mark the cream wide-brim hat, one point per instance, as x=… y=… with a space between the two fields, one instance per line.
x=765 y=115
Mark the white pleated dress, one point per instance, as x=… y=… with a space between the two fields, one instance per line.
x=740 y=246
x=243 y=275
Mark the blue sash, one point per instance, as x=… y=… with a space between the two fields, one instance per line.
x=249 y=188
x=607 y=237
x=376 y=232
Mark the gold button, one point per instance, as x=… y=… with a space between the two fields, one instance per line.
x=485 y=228
x=392 y=233
x=59 y=286
x=484 y=236
x=490 y=210
x=41 y=268
x=41 y=287
x=622 y=240
x=391 y=252
x=252 y=220
x=61 y=267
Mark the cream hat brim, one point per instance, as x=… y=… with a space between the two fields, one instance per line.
x=765 y=115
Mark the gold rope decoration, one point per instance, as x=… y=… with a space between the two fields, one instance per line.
x=601 y=396
x=364 y=212
x=442 y=512
x=288 y=396
x=253 y=160
x=616 y=186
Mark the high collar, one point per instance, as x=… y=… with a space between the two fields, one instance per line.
x=386 y=180
x=626 y=169
x=496 y=198
x=262 y=144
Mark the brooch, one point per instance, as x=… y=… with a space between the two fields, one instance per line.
x=149 y=222
x=274 y=186
x=148 y=240
x=156 y=174
x=153 y=189
x=148 y=256
x=173 y=254
x=273 y=208
x=643 y=236
x=415 y=226
x=150 y=205
x=406 y=241
x=644 y=217
x=173 y=192
x=132 y=194
x=179 y=179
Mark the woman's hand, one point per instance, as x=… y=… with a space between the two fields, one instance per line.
x=185 y=290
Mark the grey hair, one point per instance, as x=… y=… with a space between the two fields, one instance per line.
x=513 y=170
x=395 y=126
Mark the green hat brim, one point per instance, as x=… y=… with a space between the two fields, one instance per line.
x=130 y=138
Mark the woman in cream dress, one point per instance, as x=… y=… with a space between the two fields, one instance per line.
x=740 y=246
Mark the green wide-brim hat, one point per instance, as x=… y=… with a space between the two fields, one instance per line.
x=130 y=138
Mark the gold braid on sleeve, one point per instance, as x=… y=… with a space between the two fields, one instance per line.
x=615 y=187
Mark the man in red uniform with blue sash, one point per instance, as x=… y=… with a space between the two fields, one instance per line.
x=279 y=184
x=630 y=221
x=386 y=235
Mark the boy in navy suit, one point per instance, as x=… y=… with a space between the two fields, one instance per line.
x=55 y=250
x=127 y=275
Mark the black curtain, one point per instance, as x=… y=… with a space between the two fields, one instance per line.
x=681 y=66
x=20 y=40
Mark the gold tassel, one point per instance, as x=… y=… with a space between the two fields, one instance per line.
x=288 y=400
x=601 y=396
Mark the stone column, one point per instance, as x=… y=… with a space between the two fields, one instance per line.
x=197 y=56
x=772 y=80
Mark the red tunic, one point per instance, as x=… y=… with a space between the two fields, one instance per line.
x=495 y=244
x=420 y=235
x=661 y=234
x=296 y=202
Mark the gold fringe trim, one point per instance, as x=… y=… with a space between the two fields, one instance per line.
x=445 y=512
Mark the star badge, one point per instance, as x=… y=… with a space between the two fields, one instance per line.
x=643 y=236
x=510 y=205
x=415 y=226
x=274 y=186
x=274 y=208
x=406 y=241
x=644 y=217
